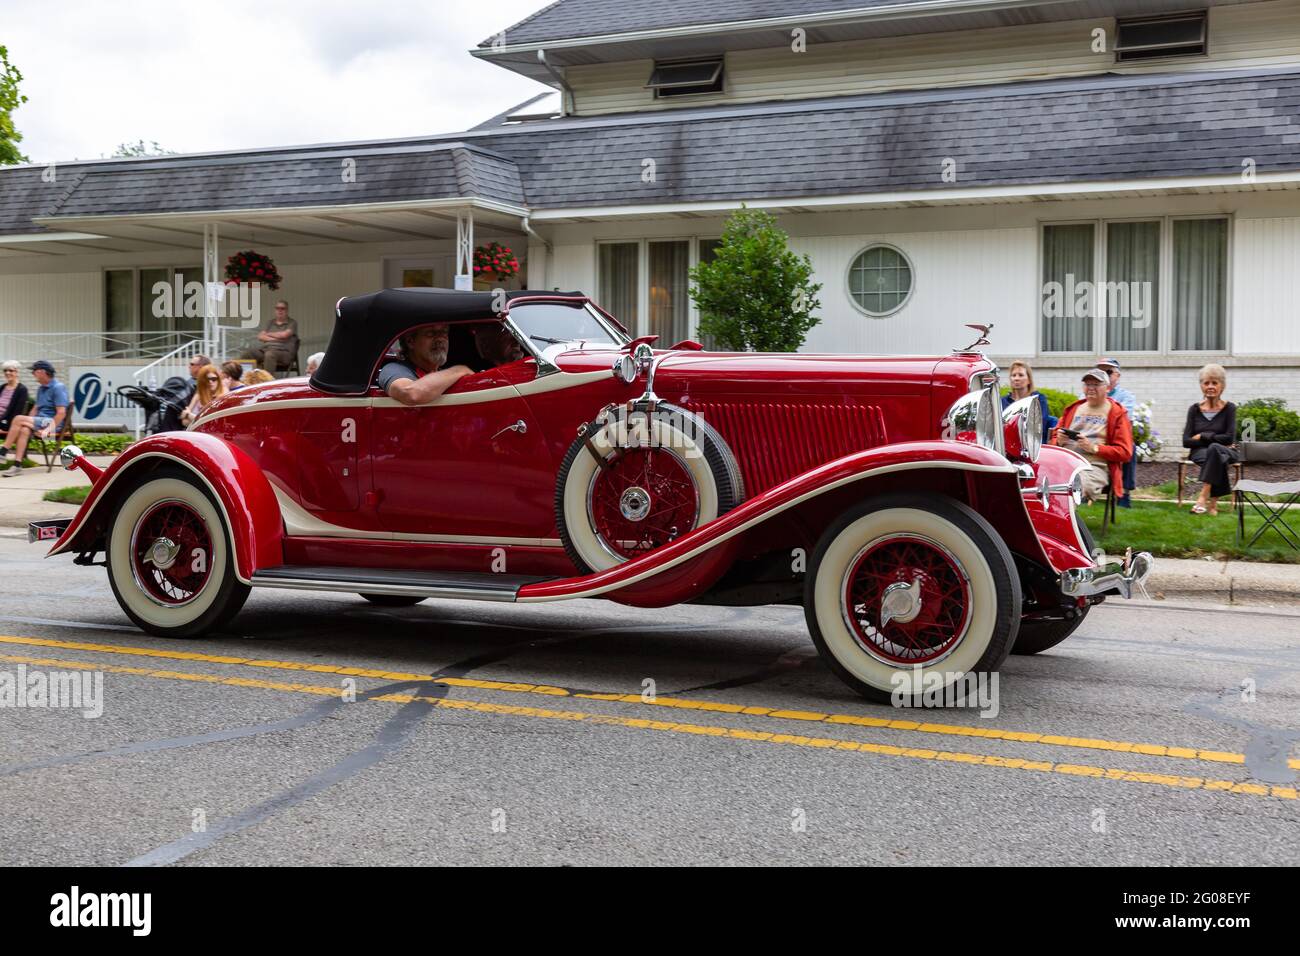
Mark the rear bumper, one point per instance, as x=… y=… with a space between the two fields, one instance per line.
x=1116 y=577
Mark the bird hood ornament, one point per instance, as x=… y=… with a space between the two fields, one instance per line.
x=983 y=339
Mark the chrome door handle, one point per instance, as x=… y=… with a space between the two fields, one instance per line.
x=520 y=426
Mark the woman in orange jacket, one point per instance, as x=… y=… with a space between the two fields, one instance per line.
x=1098 y=428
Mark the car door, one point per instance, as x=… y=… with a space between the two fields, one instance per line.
x=470 y=466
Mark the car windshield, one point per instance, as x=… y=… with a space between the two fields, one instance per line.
x=552 y=323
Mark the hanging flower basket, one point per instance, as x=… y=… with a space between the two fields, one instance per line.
x=250 y=266
x=495 y=261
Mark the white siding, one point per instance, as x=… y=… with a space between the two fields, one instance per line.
x=1259 y=34
x=52 y=302
x=1266 y=286
x=312 y=292
x=959 y=277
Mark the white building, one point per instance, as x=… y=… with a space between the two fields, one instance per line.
x=942 y=162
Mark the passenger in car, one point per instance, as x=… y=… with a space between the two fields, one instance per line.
x=416 y=376
x=496 y=344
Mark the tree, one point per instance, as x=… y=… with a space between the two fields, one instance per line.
x=755 y=295
x=10 y=100
x=140 y=148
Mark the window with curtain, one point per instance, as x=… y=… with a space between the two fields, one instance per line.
x=1200 y=284
x=669 y=301
x=1068 y=259
x=618 y=264
x=1132 y=292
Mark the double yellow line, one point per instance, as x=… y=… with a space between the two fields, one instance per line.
x=734 y=733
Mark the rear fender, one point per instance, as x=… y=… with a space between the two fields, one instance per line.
x=977 y=475
x=241 y=490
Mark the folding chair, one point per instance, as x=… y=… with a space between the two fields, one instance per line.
x=1238 y=470
x=1108 y=514
x=1274 y=513
x=50 y=446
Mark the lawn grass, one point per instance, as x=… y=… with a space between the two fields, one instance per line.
x=1166 y=530
x=72 y=495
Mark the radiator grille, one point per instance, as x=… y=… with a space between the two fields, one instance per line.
x=774 y=441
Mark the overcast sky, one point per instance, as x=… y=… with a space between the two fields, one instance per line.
x=200 y=75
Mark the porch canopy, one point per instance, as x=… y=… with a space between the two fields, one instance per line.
x=436 y=192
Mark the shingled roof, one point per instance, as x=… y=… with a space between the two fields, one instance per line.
x=1091 y=129
x=269 y=179
x=567 y=19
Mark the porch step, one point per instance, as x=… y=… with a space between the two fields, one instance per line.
x=460 y=585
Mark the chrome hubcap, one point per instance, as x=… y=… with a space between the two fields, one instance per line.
x=901 y=602
x=634 y=504
x=162 y=553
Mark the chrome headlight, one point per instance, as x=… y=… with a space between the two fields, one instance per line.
x=974 y=418
x=1023 y=424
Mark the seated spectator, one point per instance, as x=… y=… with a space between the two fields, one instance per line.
x=1022 y=386
x=211 y=386
x=1097 y=428
x=13 y=396
x=256 y=376
x=1211 y=434
x=1126 y=398
x=313 y=362
x=278 y=341
x=232 y=372
x=45 y=420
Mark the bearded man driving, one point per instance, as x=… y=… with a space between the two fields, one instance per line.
x=417 y=376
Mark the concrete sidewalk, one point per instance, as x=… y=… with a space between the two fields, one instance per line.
x=20 y=496
x=1214 y=582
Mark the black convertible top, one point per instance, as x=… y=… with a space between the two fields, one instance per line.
x=367 y=324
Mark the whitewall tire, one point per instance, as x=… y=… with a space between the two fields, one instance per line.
x=636 y=483
x=169 y=557
x=905 y=586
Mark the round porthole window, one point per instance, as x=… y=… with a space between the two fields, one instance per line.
x=880 y=280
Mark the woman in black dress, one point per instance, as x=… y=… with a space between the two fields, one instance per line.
x=1211 y=434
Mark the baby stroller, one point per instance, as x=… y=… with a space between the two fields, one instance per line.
x=162 y=406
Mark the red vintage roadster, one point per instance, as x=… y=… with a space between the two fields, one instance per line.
x=923 y=530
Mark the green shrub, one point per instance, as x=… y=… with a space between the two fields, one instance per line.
x=1272 y=420
x=755 y=295
x=1056 y=400
x=109 y=444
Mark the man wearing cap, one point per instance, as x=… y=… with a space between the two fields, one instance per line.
x=1126 y=398
x=45 y=420
x=1122 y=395
x=1098 y=428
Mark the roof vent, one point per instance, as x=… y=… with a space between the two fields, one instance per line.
x=686 y=77
x=1149 y=38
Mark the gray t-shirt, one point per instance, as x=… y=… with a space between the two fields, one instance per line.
x=393 y=370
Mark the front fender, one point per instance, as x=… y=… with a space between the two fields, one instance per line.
x=241 y=490
x=1057 y=528
x=655 y=571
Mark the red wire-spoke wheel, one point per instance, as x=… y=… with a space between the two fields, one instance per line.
x=907 y=600
x=171 y=553
x=641 y=499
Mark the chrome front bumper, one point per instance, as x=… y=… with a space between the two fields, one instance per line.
x=1115 y=577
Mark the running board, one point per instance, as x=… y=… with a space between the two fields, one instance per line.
x=459 y=585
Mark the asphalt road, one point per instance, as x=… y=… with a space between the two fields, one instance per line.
x=496 y=734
